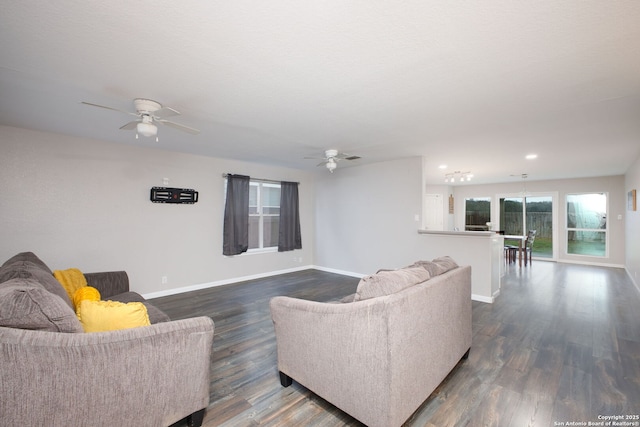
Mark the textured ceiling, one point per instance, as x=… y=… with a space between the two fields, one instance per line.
x=474 y=85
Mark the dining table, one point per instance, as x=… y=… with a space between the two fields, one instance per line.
x=521 y=240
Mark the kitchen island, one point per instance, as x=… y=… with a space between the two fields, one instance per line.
x=482 y=250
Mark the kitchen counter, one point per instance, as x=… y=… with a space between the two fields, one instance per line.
x=482 y=250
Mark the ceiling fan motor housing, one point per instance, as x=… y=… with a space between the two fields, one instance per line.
x=331 y=153
x=146 y=105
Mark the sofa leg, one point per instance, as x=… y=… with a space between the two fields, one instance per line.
x=466 y=355
x=285 y=379
x=195 y=419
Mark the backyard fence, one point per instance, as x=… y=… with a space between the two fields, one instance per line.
x=540 y=221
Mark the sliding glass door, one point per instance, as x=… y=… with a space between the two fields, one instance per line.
x=520 y=214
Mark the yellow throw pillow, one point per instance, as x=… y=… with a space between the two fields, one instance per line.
x=83 y=293
x=71 y=280
x=100 y=316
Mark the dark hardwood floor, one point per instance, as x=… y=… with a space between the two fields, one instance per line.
x=560 y=344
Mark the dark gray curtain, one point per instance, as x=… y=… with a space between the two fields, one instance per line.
x=236 y=216
x=289 y=237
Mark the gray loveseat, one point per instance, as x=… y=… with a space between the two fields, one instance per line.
x=54 y=374
x=380 y=356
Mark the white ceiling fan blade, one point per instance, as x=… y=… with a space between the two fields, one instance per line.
x=178 y=126
x=165 y=112
x=130 y=125
x=108 y=108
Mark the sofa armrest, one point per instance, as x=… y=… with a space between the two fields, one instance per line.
x=109 y=283
x=151 y=375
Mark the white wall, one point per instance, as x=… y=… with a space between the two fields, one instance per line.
x=612 y=185
x=365 y=216
x=632 y=224
x=85 y=203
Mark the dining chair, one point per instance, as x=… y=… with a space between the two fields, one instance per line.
x=510 y=253
x=528 y=246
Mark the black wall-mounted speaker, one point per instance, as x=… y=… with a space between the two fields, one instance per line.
x=173 y=195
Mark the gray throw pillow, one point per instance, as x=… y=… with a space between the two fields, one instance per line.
x=31 y=270
x=25 y=304
x=349 y=298
x=446 y=262
x=389 y=282
x=433 y=268
x=28 y=256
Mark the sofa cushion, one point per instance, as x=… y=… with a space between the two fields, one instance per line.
x=101 y=316
x=155 y=314
x=28 y=256
x=433 y=268
x=347 y=299
x=33 y=270
x=446 y=262
x=26 y=304
x=389 y=282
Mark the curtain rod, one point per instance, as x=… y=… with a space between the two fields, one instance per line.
x=273 y=181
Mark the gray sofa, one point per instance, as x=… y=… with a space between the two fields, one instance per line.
x=54 y=374
x=380 y=356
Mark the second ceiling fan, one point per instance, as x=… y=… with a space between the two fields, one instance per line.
x=332 y=157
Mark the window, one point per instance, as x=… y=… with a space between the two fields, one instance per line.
x=477 y=213
x=587 y=224
x=264 y=215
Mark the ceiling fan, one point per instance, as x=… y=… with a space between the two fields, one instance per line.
x=332 y=157
x=149 y=114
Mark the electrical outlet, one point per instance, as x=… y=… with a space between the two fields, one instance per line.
x=164 y=280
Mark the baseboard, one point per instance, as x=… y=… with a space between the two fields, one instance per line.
x=636 y=284
x=482 y=298
x=230 y=281
x=342 y=272
x=595 y=264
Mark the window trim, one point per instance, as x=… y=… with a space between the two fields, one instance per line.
x=598 y=230
x=261 y=215
x=484 y=199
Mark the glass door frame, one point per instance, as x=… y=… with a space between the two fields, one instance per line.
x=554 y=215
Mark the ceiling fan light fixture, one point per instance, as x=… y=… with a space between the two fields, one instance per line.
x=331 y=165
x=147 y=129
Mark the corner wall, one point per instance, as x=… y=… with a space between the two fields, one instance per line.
x=365 y=216
x=632 y=224
x=84 y=203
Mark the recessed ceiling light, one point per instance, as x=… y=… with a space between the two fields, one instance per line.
x=442 y=167
x=531 y=156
